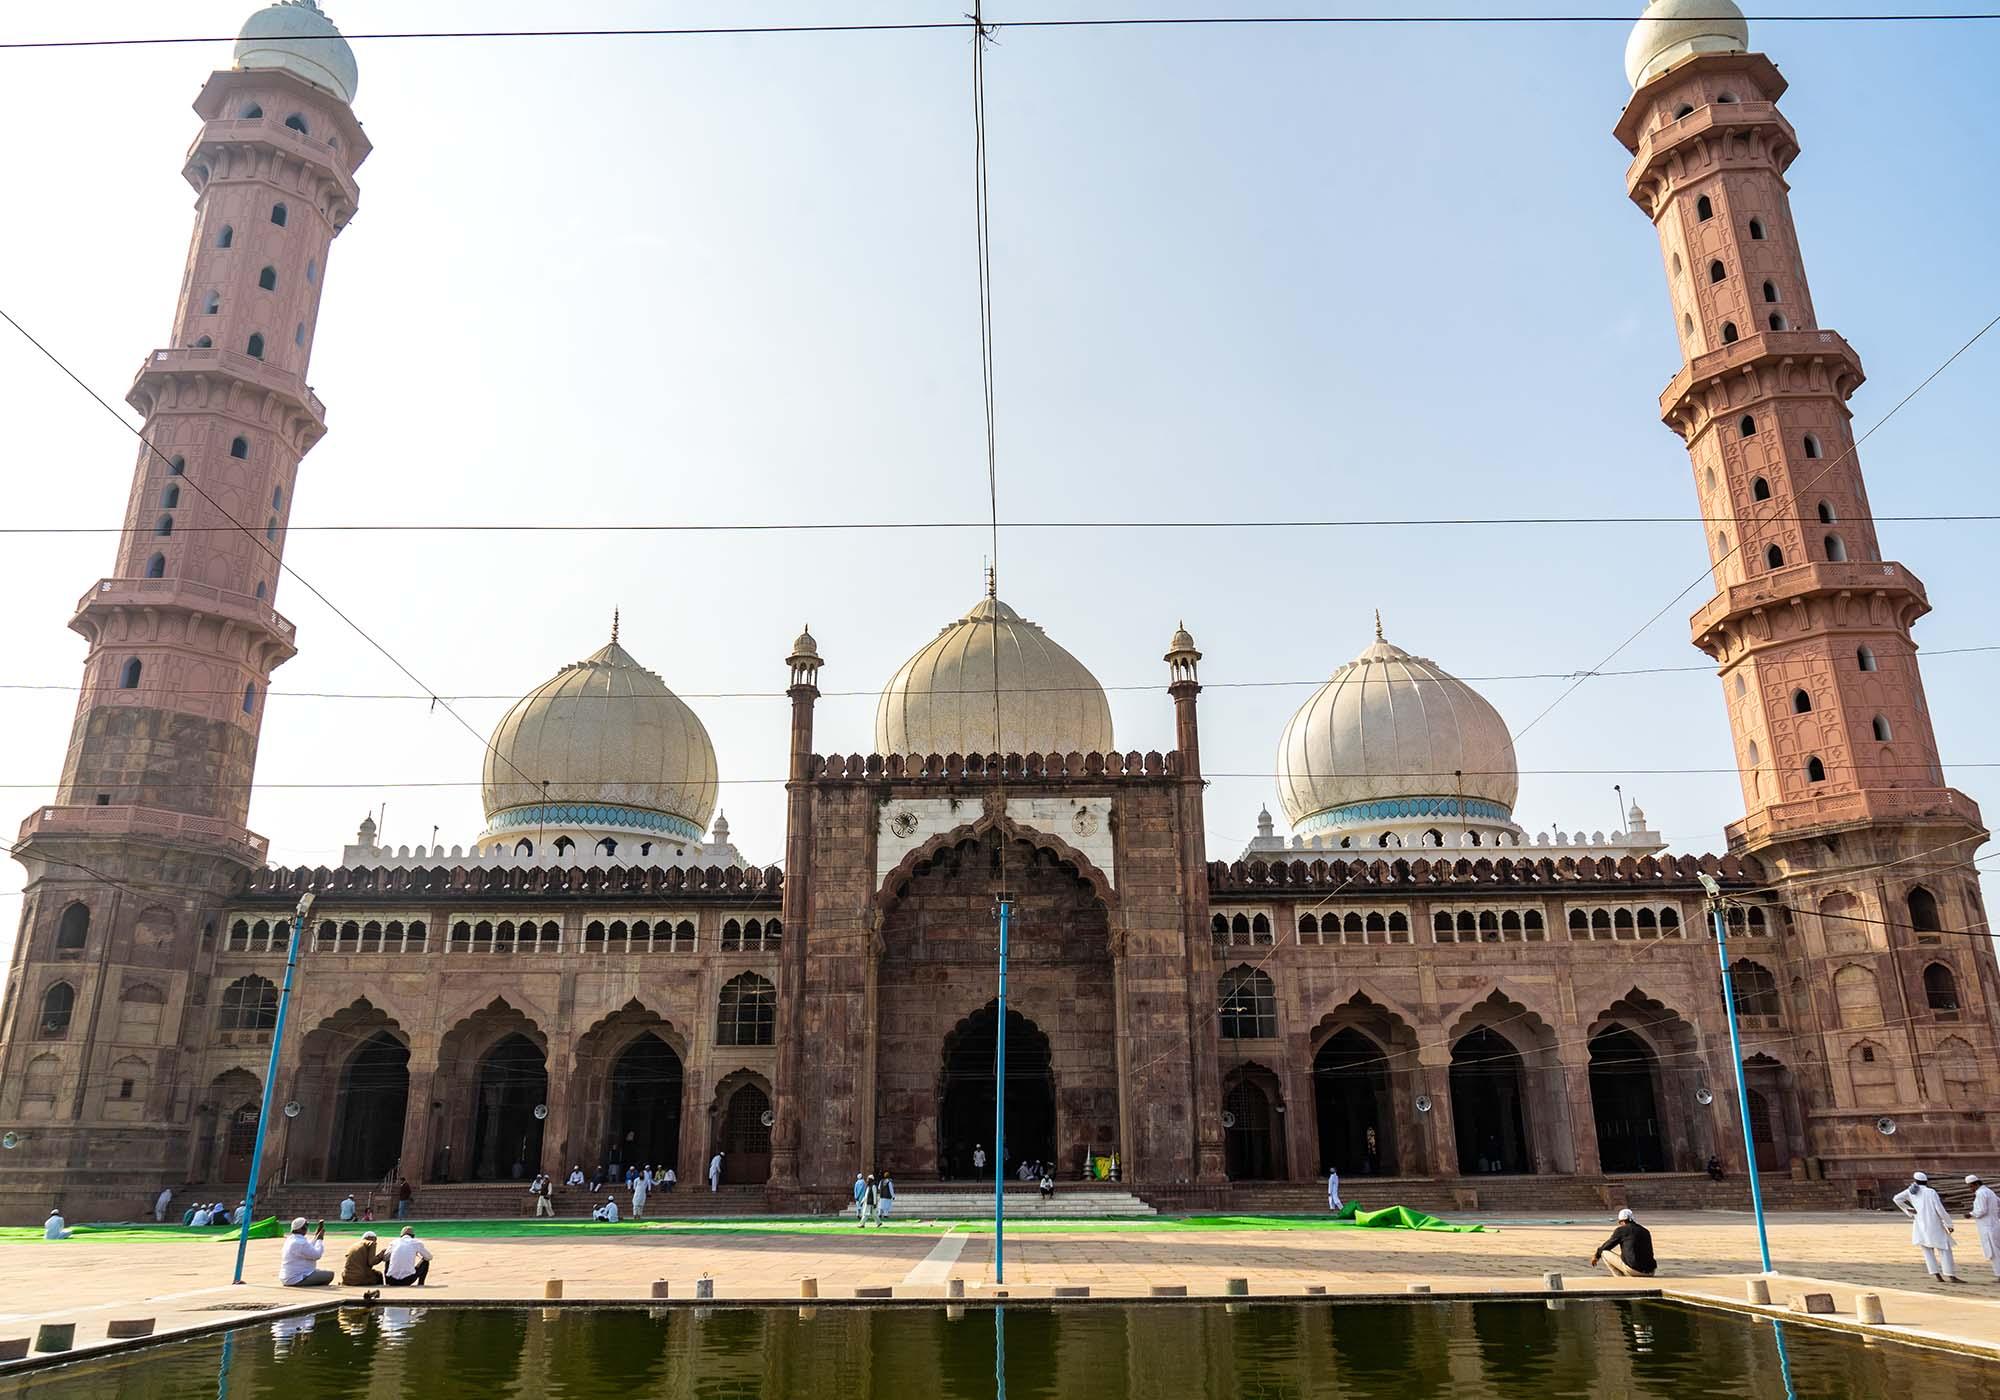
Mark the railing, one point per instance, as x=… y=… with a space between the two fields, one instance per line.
x=1847 y=808
x=190 y=359
x=174 y=591
x=1812 y=576
x=145 y=821
x=954 y=768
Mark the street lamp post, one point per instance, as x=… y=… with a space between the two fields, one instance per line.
x=1715 y=913
x=270 y=1082
x=1000 y=1109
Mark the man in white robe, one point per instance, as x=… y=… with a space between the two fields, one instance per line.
x=1930 y=1227
x=608 y=1212
x=642 y=1185
x=56 y=1228
x=1986 y=1216
x=715 y=1171
x=161 y=1202
x=1333 y=1189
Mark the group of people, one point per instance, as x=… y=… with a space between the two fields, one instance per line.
x=1044 y=1172
x=406 y=1263
x=641 y=1181
x=873 y=1198
x=1931 y=1227
x=213 y=1213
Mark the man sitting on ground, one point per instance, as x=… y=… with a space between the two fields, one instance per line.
x=298 y=1266
x=56 y=1227
x=362 y=1267
x=347 y=1206
x=608 y=1212
x=1634 y=1243
x=409 y=1260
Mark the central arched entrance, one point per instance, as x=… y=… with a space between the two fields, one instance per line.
x=1625 y=1102
x=1351 y=1097
x=506 y=1135
x=1488 y=1104
x=968 y=1096
x=646 y=1085
x=1253 y=1138
x=368 y=1124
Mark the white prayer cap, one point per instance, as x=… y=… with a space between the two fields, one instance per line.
x=1918 y=1176
x=298 y=1224
x=367 y=1234
x=1972 y=1181
x=1625 y=1214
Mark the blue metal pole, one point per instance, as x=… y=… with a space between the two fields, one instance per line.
x=1742 y=1089
x=270 y=1085
x=1000 y=1113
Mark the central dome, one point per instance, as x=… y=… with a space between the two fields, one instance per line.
x=1391 y=739
x=604 y=743
x=942 y=700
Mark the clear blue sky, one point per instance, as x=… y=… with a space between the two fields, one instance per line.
x=1319 y=273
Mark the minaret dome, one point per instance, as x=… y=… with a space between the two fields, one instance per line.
x=294 y=35
x=1672 y=30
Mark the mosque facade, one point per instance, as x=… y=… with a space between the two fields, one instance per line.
x=1409 y=986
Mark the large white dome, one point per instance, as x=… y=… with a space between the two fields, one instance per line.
x=942 y=699
x=295 y=36
x=1393 y=741
x=616 y=749
x=1672 y=30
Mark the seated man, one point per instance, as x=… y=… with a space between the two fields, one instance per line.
x=1048 y=1186
x=1714 y=1168
x=608 y=1212
x=57 y=1228
x=409 y=1260
x=1634 y=1243
x=347 y=1210
x=575 y=1175
x=202 y=1215
x=362 y=1267
x=298 y=1266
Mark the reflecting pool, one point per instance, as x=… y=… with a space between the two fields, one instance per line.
x=1101 y=1352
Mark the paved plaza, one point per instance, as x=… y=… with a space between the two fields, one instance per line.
x=184 y=1283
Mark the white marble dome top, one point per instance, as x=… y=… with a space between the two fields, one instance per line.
x=295 y=36
x=1672 y=30
x=942 y=699
x=616 y=748
x=1390 y=730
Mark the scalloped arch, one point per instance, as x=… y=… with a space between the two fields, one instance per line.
x=1085 y=868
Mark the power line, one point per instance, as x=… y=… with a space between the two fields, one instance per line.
x=921 y=26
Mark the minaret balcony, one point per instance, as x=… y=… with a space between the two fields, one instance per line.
x=218 y=134
x=1673 y=154
x=211 y=362
x=1818 y=816
x=1762 y=365
x=176 y=828
x=1740 y=615
x=266 y=634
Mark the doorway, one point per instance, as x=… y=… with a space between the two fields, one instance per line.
x=967 y=1094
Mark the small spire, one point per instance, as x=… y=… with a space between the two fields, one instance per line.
x=614 y=627
x=1378 y=626
x=992 y=582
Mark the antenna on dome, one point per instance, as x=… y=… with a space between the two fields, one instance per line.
x=614 y=626
x=1378 y=626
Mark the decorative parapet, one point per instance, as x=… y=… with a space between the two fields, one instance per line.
x=500 y=854
x=994 y=768
x=1360 y=876
x=509 y=877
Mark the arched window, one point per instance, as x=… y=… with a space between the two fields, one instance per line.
x=1747 y=426
x=1775 y=321
x=1815 y=770
x=73 y=929
x=1760 y=489
x=1755 y=990
x=746 y=1012
x=1770 y=291
x=1399 y=922
x=1308 y=923
x=1826 y=515
x=177 y=466
x=1686 y=109
x=271 y=528
x=1240 y=924
x=1864 y=658
x=1801 y=703
x=277 y=497
x=564 y=845
x=1466 y=922
x=1755 y=758
x=1941 y=992
x=1249 y=1005
x=254 y=347
x=1923 y=908
x=299 y=334
x=1704 y=209
x=260 y=589
x=1757 y=230
x=248 y=1004
x=1219 y=926
x=1726 y=97
x=1729 y=335
x=608 y=847
x=250 y=698
x=1441 y=922
x=267 y=280
x=1579 y=921
x=312 y=270
x=1717 y=272
x=239 y=447
x=1261 y=925
x=1687 y=325
x=164 y=526
x=226 y=237
x=1812 y=446
x=156 y=567
x=524 y=847
x=203 y=342
x=297 y=123
x=1836 y=549
x=170 y=497
x=278 y=215
x=251 y=111
x=1774 y=558
x=58 y=1003
x=1882 y=733
x=211 y=303
x=128 y=674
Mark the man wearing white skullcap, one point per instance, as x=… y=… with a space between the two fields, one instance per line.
x=1985 y=1215
x=1930 y=1227
x=1634 y=1245
x=298 y=1266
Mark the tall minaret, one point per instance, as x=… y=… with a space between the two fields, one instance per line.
x=1847 y=805
x=147 y=835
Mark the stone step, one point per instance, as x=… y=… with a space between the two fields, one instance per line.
x=927 y=1204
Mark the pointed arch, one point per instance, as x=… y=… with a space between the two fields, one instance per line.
x=1080 y=864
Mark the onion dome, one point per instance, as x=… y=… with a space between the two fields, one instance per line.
x=603 y=746
x=942 y=700
x=295 y=36
x=1671 y=31
x=1393 y=743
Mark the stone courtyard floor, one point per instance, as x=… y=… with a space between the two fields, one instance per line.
x=184 y=1282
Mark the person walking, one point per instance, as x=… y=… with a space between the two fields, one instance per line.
x=979 y=1157
x=885 y=1198
x=860 y=1189
x=1634 y=1243
x=1985 y=1217
x=161 y=1202
x=1930 y=1227
x=298 y=1264
x=715 y=1171
x=403 y=1200
x=409 y=1261
x=1333 y=1189
x=642 y=1186
x=871 y=1204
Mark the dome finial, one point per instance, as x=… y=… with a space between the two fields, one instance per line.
x=992 y=582
x=1378 y=626
x=614 y=626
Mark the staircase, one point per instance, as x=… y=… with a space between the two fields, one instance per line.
x=1024 y=1202
x=1533 y=1196
x=498 y=1200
